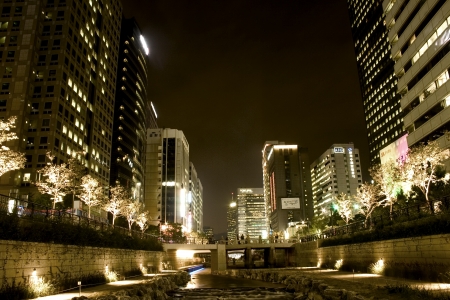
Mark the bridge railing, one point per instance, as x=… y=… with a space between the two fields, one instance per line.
x=399 y=214
x=30 y=211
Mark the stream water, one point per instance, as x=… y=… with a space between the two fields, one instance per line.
x=203 y=285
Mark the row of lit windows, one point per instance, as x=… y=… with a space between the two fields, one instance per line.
x=431 y=40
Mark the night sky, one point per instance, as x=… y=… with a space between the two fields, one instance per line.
x=234 y=74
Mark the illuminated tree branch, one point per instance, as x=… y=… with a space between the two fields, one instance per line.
x=9 y=159
x=91 y=192
x=57 y=181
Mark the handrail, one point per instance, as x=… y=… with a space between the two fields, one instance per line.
x=34 y=211
x=411 y=212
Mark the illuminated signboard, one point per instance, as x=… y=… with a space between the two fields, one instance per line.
x=338 y=150
x=394 y=151
x=290 y=203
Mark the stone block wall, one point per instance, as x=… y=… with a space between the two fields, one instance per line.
x=409 y=255
x=19 y=259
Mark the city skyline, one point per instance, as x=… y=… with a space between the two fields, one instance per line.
x=233 y=76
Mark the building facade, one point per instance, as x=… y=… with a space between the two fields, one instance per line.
x=58 y=67
x=419 y=32
x=377 y=80
x=133 y=112
x=195 y=201
x=285 y=192
x=167 y=176
x=251 y=217
x=336 y=171
x=232 y=230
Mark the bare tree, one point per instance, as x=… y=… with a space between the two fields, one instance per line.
x=142 y=220
x=91 y=192
x=131 y=211
x=117 y=201
x=9 y=159
x=345 y=207
x=421 y=165
x=57 y=181
x=78 y=171
x=388 y=178
x=367 y=198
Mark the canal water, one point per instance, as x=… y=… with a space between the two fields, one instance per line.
x=203 y=285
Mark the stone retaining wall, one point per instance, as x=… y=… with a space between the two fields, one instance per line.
x=19 y=259
x=408 y=257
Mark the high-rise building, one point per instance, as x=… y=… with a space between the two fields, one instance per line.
x=232 y=231
x=251 y=213
x=284 y=185
x=133 y=112
x=336 y=171
x=58 y=68
x=378 y=83
x=167 y=176
x=209 y=232
x=419 y=32
x=195 y=201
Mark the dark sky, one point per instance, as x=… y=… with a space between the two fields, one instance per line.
x=233 y=74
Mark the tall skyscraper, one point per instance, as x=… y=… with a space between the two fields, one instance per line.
x=167 y=177
x=195 y=201
x=133 y=112
x=232 y=230
x=378 y=83
x=284 y=185
x=336 y=171
x=419 y=32
x=251 y=217
x=58 y=68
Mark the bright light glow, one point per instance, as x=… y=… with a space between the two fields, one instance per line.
x=233 y=204
x=186 y=254
x=144 y=45
x=378 y=267
x=154 y=110
x=264 y=234
x=11 y=205
x=34 y=276
x=270 y=154
x=338 y=264
x=286 y=235
x=285 y=146
x=168 y=183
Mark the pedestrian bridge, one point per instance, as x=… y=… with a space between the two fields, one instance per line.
x=274 y=254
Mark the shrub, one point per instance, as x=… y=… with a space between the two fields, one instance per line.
x=431 y=225
x=62 y=231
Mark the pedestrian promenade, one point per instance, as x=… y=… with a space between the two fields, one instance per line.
x=339 y=279
x=93 y=290
x=372 y=279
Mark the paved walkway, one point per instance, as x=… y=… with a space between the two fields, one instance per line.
x=373 y=279
x=329 y=276
x=91 y=291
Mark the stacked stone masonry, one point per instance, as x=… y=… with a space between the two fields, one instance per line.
x=421 y=252
x=19 y=259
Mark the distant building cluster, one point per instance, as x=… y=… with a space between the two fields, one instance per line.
x=75 y=72
x=403 y=61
